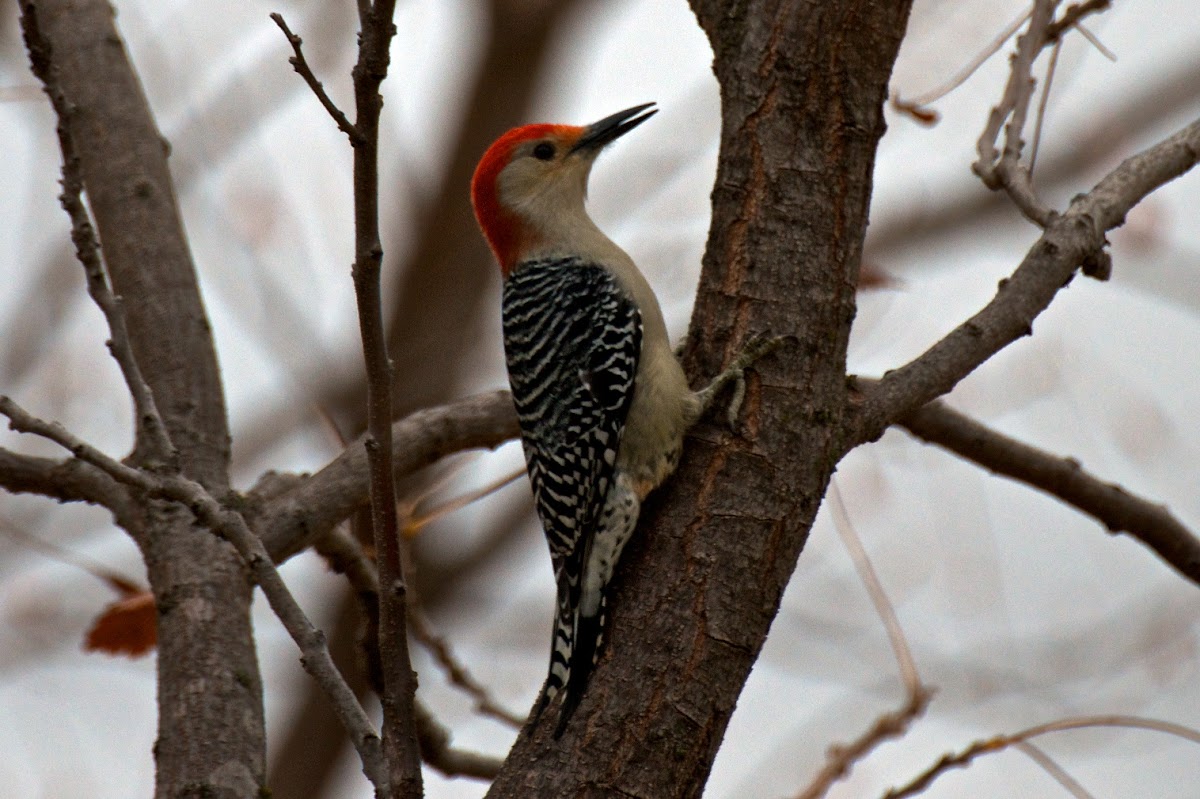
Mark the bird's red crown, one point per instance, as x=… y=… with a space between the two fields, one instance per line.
x=504 y=233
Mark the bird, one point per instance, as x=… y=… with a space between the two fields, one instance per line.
x=602 y=400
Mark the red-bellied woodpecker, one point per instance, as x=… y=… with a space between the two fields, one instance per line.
x=602 y=401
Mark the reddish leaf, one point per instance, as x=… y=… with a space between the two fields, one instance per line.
x=870 y=276
x=126 y=627
x=925 y=116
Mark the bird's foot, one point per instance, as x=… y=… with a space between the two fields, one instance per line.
x=756 y=348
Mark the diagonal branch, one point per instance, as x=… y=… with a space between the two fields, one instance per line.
x=290 y=522
x=1004 y=169
x=965 y=757
x=70 y=480
x=231 y=526
x=840 y=758
x=1074 y=240
x=346 y=556
x=300 y=64
x=1064 y=478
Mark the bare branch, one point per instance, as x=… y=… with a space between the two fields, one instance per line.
x=1052 y=768
x=231 y=526
x=1000 y=742
x=300 y=64
x=840 y=758
x=1040 y=118
x=289 y=523
x=458 y=674
x=70 y=480
x=400 y=745
x=1004 y=170
x=1120 y=190
x=1064 y=478
x=1071 y=18
x=437 y=752
x=1071 y=241
x=1101 y=139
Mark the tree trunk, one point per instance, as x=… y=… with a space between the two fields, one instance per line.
x=802 y=88
x=210 y=738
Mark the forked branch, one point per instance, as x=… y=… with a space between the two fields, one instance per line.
x=230 y=525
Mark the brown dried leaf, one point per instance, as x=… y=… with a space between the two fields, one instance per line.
x=922 y=114
x=126 y=627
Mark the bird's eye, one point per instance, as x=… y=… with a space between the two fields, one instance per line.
x=544 y=151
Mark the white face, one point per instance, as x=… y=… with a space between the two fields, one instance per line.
x=545 y=181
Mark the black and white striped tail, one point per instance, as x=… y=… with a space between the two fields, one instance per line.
x=571 y=665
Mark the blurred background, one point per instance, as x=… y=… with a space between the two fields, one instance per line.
x=1026 y=611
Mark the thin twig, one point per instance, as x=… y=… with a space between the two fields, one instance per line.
x=879 y=597
x=300 y=64
x=438 y=753
x=1051 y=767
x=458 y=674
x=1022 y=80
x=415 y=523
x=840 y=758
x=231 y=526
x=1073 y=16
x=1095 y=42
x=961 y=77
x=400 y=743
x=1000 y=742
x=1041 y=108
x=1004 y=170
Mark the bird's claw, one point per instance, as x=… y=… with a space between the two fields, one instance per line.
x=756 y=348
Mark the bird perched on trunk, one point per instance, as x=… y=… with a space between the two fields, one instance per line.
x=602 y=400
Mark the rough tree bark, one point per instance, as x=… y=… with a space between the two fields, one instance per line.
x=802 y=88
x=210 y=735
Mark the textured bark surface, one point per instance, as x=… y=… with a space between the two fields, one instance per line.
x=802 y=87
x=211 y=740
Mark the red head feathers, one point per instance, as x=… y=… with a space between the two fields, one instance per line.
x=503 y=231
x=560 y=156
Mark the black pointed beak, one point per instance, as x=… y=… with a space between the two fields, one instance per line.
x=611 y=128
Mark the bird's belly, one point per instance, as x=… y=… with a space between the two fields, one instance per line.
x=652 y=442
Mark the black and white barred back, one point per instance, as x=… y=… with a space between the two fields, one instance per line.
x=572 y=340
